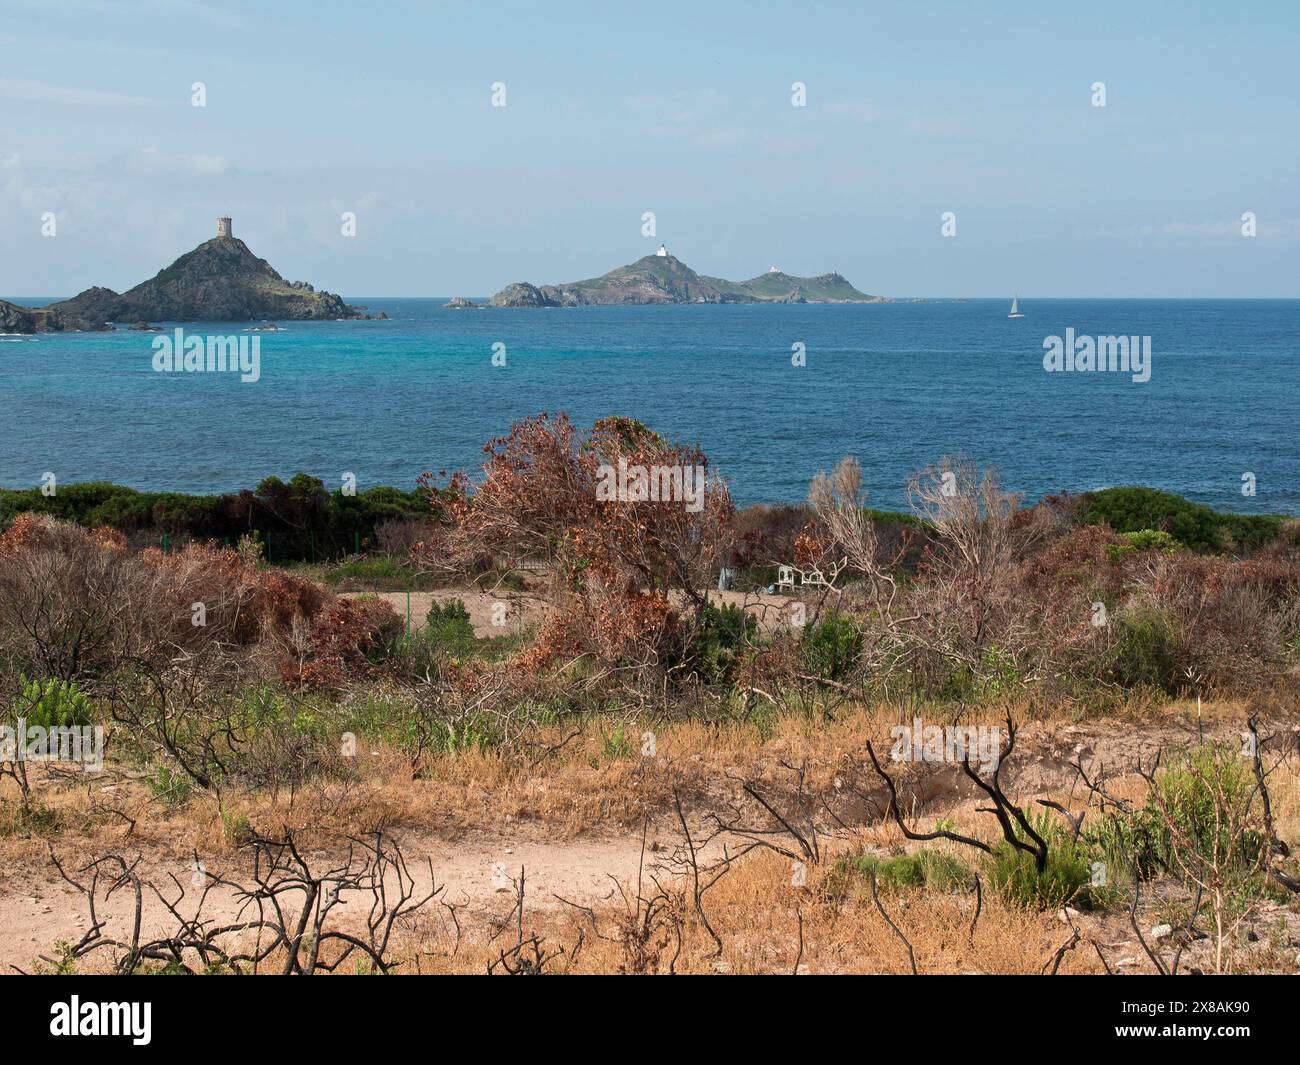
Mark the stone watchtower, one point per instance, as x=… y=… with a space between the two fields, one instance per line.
x=223 y=227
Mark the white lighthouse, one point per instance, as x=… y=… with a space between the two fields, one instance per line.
x=223 y=227
x=663 y=250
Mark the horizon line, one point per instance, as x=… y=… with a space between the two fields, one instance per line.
x=855 y=303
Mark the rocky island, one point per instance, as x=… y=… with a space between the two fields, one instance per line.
x=663 y=278
x=16 y=319
x=219 y=281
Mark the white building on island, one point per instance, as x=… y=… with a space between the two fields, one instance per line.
x=663 y=250
x=223 y=227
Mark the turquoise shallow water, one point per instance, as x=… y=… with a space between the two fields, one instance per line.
x=897 y=385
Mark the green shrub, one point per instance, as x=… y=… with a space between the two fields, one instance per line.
x=377 y=572
x=718 y=639
x=298 y=520
x=1131 y=510
x=928 y=868
x=1144 y=540
x=1145 y=653
x=997 y=675
x=449 y=738
x=832 y=646
x=1205 y=791
x=1014 y=874
x=285 y=740
x=449 y=629
x=236 y=828
x=168 y=786
x=51 y=704
x=617 y=745
x=27 y=819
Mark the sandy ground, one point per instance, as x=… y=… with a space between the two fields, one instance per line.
x=506 y=612
x=37 y=909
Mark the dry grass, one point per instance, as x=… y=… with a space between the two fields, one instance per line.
x=575 y=779
x=579 y=785
x=768 y=926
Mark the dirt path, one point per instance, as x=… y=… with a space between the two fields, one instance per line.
x=507 y=612
x=37 y=909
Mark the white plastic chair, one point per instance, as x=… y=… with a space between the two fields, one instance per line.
x=785 y=578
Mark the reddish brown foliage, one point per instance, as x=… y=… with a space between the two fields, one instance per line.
x=544 y=496
x=77 y=604
x=340 y=635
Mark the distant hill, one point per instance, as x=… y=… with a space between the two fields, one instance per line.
x=776 y=286
x=219 y=281
x=666 y=279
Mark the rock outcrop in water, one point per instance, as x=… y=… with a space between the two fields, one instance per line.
x=219 y=281
x=16 y=319
x=522 y=294
x=664 y=278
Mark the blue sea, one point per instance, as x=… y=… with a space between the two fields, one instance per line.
x=897 y=385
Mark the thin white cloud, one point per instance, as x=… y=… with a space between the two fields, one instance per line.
x=208 y=12
x=1287 y=229
x=858 y=107
x=153 y=161
x=121 y=8
x=685 y=102
x=42 y=92
x=1190 y=229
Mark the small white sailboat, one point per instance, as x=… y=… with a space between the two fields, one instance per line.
x=1015 y=308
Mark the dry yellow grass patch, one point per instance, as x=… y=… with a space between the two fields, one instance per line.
x=767 y=926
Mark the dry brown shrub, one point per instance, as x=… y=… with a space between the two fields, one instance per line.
x=612 y=561
x=78 y=605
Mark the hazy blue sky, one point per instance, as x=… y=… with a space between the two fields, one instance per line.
x=684 y=109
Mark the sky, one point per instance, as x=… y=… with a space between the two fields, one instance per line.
x=911 y=110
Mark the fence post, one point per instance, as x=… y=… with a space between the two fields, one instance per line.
x=408 y=610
